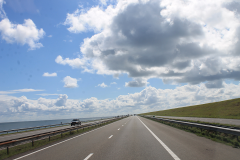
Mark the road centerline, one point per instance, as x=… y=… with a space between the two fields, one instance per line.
x=110 y=137
x=88 y=156
x=175 y=157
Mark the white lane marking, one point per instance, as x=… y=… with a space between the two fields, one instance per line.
x=110 y=137
x=88 y=156
x=163 y=144
x=122 y=125
x=62 y=142
x=118 y=128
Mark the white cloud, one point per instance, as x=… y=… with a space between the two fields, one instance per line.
x=70 y=82
x=103 y=85
x=26 y=33
x=149 y=99
x=2 y=12
x=46 y=74
x=50 y=36
x=62 y=99
x=47 y=94
x=74 y=63
x=113 y=83
x=103 y=2
x=27 y=90
x=179 y=42
x=20 y=91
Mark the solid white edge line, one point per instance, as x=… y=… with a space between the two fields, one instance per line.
x=110 y=137
x=61 y=142
x=163 y=144
x=88 y=156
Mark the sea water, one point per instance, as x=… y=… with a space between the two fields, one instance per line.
x=27 y=124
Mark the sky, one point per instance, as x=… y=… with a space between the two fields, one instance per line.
x=89 y=58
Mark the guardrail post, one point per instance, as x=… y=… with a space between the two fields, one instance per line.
x=49 y=138
x=7 y=150
x=32 y=143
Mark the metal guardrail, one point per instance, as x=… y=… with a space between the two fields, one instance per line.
x=37 y=127
x=14 y=142
x=32 y=128
x=235 y=132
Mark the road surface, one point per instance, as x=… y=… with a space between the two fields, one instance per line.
x=134 y=138
x=210 y=120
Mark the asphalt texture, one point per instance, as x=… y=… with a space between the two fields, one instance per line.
x=134 y=138
x=210 y=120
x=30 y=133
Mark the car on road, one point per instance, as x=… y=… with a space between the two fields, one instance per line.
x=76 y=121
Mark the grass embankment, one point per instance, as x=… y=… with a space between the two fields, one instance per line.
x=39 y=143
x=215 y=136
x=224 y=109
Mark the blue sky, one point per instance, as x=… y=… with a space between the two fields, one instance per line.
x=100 y=58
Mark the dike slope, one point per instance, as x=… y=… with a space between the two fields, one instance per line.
x=229 y=109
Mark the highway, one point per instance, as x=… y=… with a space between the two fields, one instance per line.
x=210 y=120
x=134 y=138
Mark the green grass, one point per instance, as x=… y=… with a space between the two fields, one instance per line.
x=215 y=136
x=28 y=146
x=224 y=109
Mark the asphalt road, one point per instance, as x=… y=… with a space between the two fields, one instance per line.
x=134 y=138
x=30 y=133
x=211 y=120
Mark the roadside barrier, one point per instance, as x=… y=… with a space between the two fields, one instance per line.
x=235 y=132
x=14 y=142
x=33 y=128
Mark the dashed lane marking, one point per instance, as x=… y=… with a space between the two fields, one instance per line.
x=88 y=156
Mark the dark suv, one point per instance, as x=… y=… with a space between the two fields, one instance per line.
x=76 y=121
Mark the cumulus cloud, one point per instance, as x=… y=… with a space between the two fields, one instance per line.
x=147 y=100
x=214 y=84
x=103 y=85
x=62 y=99
x=138 y=82
x=177 y=41
x=46 y=74
x=70 y=82
x=74 y=63
x=113 y=83
x=26 y=33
